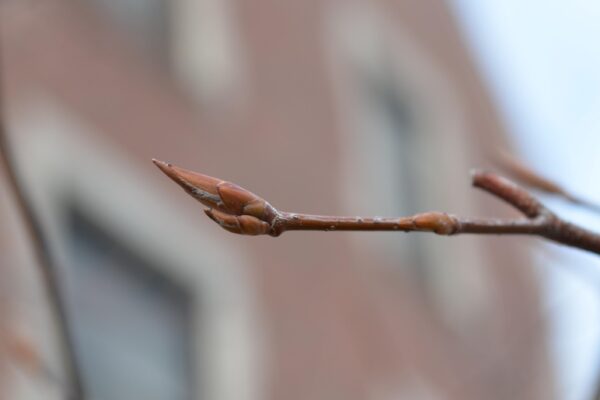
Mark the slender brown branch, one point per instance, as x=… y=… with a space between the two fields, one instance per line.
x=240 y=211
x=523 y=173
x=43 y=257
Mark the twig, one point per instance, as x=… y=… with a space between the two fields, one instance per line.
x=523 y=173
x=240 y=211
x=44 y=259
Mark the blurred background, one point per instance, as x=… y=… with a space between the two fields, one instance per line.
x=354 y=107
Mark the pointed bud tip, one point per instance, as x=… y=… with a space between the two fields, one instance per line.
x=161 y=164
x=168 y=169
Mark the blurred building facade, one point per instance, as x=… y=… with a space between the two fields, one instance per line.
x=363 y=107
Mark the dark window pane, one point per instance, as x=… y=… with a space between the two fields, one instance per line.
x=131 y=324
x=144 y=21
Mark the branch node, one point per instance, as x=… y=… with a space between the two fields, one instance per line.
x=437 y=222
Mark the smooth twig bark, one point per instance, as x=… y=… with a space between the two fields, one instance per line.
x=44 y=259
x=240 y=211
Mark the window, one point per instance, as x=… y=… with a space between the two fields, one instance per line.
x=145 y=21
x=381 y=123
x=131 y=323
x=402 y=144
x=390 y=111
x=196 y=40
x=185 y=297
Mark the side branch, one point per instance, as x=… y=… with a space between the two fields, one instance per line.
x=240 y=211
x=524 y=174
x=509 y=192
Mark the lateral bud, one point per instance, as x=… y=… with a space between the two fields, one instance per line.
x=240 y=224
x=437 y=222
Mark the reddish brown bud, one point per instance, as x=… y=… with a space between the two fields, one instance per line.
x=202 y=187
x=242 y=224
x=231 y=206
x=236 y=198
x=253 y=226
x=440 y=223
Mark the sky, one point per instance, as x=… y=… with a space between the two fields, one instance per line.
x=541 y=61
